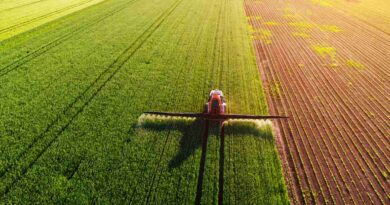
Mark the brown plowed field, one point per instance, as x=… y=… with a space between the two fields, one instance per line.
x=329 y=72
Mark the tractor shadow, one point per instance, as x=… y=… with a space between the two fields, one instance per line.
x=193 y=129
x=190 y=139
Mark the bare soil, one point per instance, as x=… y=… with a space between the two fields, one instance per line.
x=329 y=72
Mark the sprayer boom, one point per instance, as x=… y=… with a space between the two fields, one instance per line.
x=215 y=110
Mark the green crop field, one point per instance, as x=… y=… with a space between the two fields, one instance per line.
x=17 y=16
x=73 y=89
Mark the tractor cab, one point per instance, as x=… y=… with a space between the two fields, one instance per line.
x=216 y=104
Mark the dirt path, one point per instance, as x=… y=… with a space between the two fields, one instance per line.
x=329 y=72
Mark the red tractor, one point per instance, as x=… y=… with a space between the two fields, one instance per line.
x=215 y=109
x=216 y=103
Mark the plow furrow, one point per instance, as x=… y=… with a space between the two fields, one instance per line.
x=335 y=143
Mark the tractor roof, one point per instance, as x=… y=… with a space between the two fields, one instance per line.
x=216 y=91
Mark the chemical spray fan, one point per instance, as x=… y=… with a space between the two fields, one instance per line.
x=215 y=109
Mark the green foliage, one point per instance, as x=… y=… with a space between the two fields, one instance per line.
x=330 y=28
x=354 y=64
x=301 y=34
x=271 y=23
x=325 y=51
x=263 y=35
x=260 y=128
x=385 y=174
x=323 y=3
x=20 y=16
x=276 y=90
x=72 y=92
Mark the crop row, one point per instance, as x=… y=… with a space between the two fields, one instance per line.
x=13 y=23
x=7 y=6
x=79 y=27
x=353 y=106
x=86 y=94
x=75 y=108
x=305 y=189
x=361 y=121
x=38 y=93
x=3 y=30
x=308 y=110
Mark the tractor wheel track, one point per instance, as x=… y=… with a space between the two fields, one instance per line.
x=38 y=52
x=158 y=167
x=2 y=172
x=198 y=42
x=18 y=25
x=199 y=188
x=20 y=6
x=13 y=173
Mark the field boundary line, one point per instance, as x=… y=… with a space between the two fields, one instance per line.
x=43 y=49
x=24 y=23
x=23 y=5
x=280 y=141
